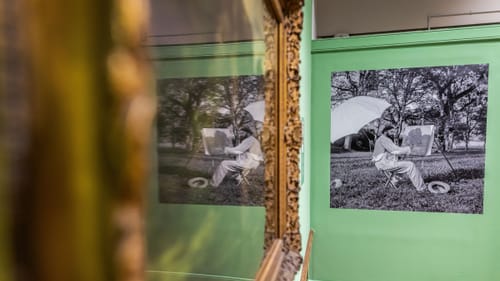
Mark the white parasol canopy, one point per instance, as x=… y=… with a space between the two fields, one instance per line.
x=257 y=110
x=353 y=114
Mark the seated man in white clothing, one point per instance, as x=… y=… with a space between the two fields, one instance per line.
x=385 y=158
x=248 y=156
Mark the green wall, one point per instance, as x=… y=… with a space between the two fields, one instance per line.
x=367 y=245
x=204 y=242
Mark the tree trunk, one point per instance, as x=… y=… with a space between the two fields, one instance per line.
x=397 y=140
x=451 y=141
x=467 y=139
x=444 y=129
x=347 y=142
x=442 y=134
x=195 y=132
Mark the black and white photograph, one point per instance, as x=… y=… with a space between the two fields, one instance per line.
x=409 y=139
x=209 y=140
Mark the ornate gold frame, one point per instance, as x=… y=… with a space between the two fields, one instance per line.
x=282 y=134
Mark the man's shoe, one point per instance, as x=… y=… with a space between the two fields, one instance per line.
x=239 y=179
x=423 y=187
x=395 y=180
x=211 y=183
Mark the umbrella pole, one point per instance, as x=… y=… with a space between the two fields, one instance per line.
x=369 y=140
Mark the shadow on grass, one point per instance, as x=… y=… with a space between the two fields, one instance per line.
x=457 y=175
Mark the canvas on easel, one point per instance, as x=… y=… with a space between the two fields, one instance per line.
x=216 y=139
x=419 y=138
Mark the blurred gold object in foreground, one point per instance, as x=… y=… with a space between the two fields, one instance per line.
x=78 y=191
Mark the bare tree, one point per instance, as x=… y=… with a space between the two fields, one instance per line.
x=184 y=105
x=234 y=94
x=449 y=85
x=348 y=84
x=470 y=117
x=187 y=105
x=403 y=88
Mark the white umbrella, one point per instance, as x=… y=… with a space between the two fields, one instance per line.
x=257 y=110
x=353 y=114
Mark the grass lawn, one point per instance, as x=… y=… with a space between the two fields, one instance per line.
x=363 y=185
x=175 y=169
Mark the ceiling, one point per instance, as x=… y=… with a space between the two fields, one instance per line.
x=202 y=21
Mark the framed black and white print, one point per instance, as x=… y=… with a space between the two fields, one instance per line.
x=208 y=132
x=409 y=139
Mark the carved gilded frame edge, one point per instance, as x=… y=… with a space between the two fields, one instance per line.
x=282 y=135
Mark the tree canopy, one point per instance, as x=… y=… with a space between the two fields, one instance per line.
x=453 y=98
x=186 y=105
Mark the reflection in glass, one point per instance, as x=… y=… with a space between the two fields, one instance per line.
x=208 y=58
x=209 y=140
